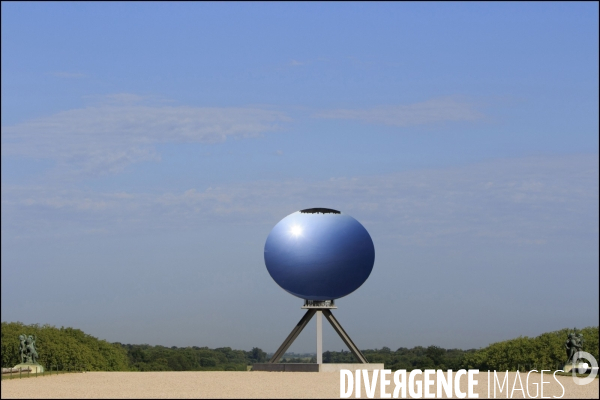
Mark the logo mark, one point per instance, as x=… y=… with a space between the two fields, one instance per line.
x=594 y=366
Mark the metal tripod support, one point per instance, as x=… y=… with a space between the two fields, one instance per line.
x=318 y=308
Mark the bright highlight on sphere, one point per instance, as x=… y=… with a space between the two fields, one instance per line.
x=296 y=230
x=319 y=254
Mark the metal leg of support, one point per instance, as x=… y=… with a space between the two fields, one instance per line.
x=302 y=324
x=319 y=337
x=292 y=336
x=340 y=331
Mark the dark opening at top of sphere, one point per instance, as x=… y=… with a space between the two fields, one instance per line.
x=319 y=210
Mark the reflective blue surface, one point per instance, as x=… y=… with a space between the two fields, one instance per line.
x=319 y=256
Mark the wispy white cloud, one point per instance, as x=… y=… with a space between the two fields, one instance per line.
x=65 y=74
x=431 y=111
x=296 y=63
x=126 y=99
x=520 y=201
x=120 y=131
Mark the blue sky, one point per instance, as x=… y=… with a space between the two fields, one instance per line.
x=149 y=148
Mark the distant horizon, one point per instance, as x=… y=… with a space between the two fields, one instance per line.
x=306 y=354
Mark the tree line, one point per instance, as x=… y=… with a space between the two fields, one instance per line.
x=143 y=357
x=69 y=346
x=62 y=347
x=546 y=351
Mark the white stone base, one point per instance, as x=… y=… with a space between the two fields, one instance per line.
x=580 y=366
x=312 y=367
x=351 y=367
x=28 y=368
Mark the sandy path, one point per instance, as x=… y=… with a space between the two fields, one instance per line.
x=240 y=385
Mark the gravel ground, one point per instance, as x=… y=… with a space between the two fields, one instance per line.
x=244 y=385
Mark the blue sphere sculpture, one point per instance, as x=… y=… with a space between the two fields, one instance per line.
x=319 y=254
